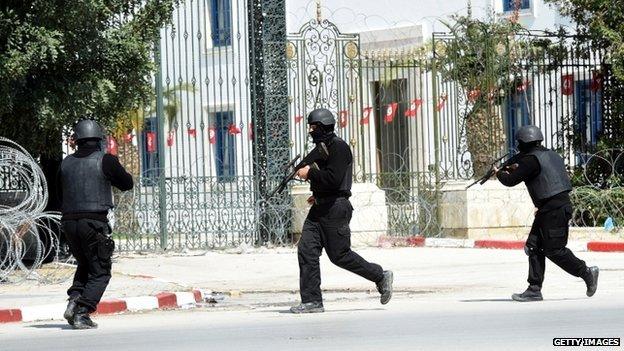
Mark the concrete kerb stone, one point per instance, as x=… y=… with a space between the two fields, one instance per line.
x=419 y=241
x=164 y=300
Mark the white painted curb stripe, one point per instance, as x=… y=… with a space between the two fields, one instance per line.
x=440 y=242
x=185 y=299
x=578 y=246
x=43 y=312
x=142 y=303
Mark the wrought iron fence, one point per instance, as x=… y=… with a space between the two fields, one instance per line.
x=207 y=150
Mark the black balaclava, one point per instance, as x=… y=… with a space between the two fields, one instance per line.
x=527 y=147
x=89 y=144
x=322 y=133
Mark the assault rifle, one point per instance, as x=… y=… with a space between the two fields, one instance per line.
x=490 y=172
x=320 y=152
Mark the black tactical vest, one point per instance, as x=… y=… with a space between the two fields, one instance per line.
x=552 y=179
x=347 y=180
x=85 y=188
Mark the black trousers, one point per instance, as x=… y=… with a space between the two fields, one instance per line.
x=90 y=244
x=548 y=238
x=327 y=226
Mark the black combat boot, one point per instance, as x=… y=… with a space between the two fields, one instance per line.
x=591 y=280
x=82 y=319
x=385 y=287
x=70 y=311
x=532 y=293
x=308 y=307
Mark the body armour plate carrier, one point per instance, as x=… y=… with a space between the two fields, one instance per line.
x=552 y=179
x=85 y=188
x=347 y=180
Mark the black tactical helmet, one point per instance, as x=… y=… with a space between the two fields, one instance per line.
x=527 y=134
x=88 y=129
x=322 y=116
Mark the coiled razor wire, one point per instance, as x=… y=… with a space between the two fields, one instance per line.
x=29 y=237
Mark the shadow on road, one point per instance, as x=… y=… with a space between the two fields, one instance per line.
x=52 y=326
x=510 y=300
x=326 y=311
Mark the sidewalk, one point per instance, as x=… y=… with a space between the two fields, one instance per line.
x=421 y=272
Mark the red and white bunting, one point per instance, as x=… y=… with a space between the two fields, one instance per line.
x=150 y=138
x=343 y=118
x=596 y=83
x=233 y=129
x=366 y=115
x=390 y=112
x=111 y=146
x=413 y=109
x=567 y=84
x=170 y=138
x=298 y=119
x=442 y=102
x=212 y=135
x=192 y=132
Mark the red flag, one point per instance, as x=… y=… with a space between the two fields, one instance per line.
x=212 y=135
x=170 y=136
x=250 y=131
x=128 y=137
x=567 y=84
x=413 y=109
x=151 y=141
x=192 y=132
x=111 y=146
x=298 y=119
x=343 y=118
x=473 y=95
x=390 y=112
x=366 y=115
x=233 y=129
x=442 y=102
x=596 y=83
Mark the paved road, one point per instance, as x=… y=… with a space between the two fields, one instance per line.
x=409 y=322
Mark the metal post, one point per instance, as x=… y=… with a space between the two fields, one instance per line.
x=269 y=84
x=436 y=132
x=162 y=194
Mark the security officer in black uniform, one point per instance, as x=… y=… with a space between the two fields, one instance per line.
x=544 y=173
x=327 y=224
x=86 y=178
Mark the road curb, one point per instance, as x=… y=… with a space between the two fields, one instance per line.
x=161 y=301
x=419 y=241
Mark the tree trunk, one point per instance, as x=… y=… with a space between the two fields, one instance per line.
x=486 y=137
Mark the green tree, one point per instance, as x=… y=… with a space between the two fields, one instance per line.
x=485 y=60
x=601 y=24
x=65 y=60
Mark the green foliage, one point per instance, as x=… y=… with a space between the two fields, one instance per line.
x=482 y=57
x=65 y=60
x=601 y=24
